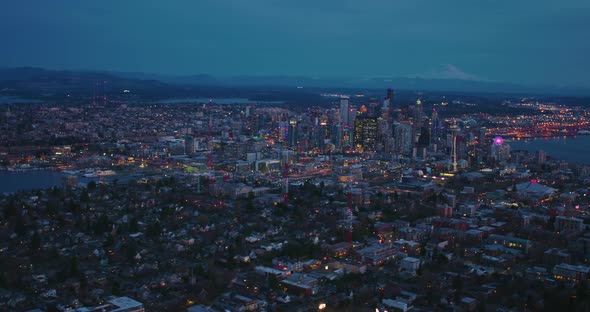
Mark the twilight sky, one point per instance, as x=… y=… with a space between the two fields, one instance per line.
x=524 y=41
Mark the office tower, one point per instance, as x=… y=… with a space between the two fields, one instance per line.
x=324 y=132
x=402 y=136
x=387 y=107
x=189 y=145
x=541 y=157
x=365 y=133
x=351 y=116
x=336 y=135
x=292 y=132
x=282 y=129
x=344 y=111
x=374 y=107
x=237 y=129
x=500 y=151
x=418 y=113
x=416 y=120
x=424 y=138
x=384 y=135
x=453 y=129
x=346 y=137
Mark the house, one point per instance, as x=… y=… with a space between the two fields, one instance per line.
x=199 y=308
x=301 y=284
x=410 y=264
x=377 y=254
x=511 y=242
x=468 y=303
x=396 y=305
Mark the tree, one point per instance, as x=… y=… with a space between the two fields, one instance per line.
x=20 y=227
x=273 y=282
x=84 y=197
x=133 y=225
x=131 y=251
x=10 y=209
x=74 y=266
x=101 y=225
x=115 y=288
x=109 y=241
x=154 y=229
x=250 y=203
x=35 y=241
x=551 y=223
x=295 y=250
x=458 y=286
x=3 y=280
x=482 y=306
x=83 y=282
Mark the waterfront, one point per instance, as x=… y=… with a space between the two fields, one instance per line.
x=14 y=181
x=216 y=101
x=572 y=149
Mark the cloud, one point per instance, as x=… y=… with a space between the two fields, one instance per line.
x=448 y=71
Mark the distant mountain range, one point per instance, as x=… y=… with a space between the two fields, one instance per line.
x=31 y=79
x=401 y=83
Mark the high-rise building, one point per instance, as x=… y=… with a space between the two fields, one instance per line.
x=190 y=145
x=424 y=138
x=344 y=111
x=351 y=116
x=418 y=113
x=454 y=130
x=541 y=157
x=387 y=107
x=282 y=130
x=402 y=135
x=365 y=133
x=417 y=120
x=500 y=152
x=292 y=132
x=324 y=131
x=336 y=135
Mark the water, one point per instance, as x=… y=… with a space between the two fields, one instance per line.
x=571 y=149
x=26 y=180
x=11 y=182
x=15 y=100
x=216 y=101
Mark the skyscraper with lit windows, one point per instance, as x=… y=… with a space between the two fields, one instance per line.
x=365 y=133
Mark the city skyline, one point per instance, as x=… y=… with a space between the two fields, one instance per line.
x=527 y=42
x=311 y=156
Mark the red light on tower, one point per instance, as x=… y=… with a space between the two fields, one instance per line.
x=498 y=141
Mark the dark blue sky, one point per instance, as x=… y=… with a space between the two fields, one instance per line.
x=524 y=41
